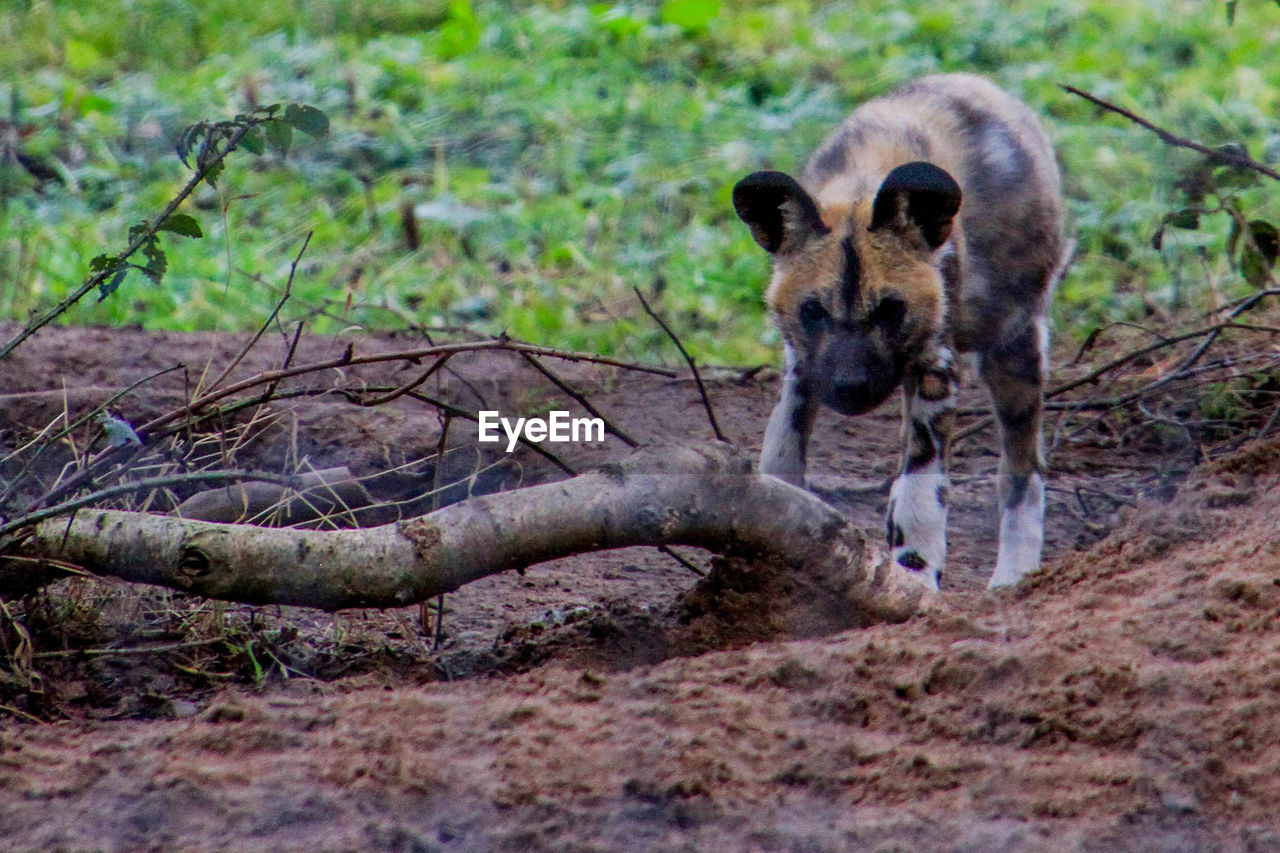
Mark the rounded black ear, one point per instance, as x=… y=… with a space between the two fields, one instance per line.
x=778 y=210
x=920 y=196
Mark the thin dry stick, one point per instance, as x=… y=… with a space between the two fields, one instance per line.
x=666 y=549
x=1251 y=299
x=1224 y=157
x=349 y=359
x=288 y=358
x=581 y=399
x=122 y=455
x=130 y=650
x=44 y=441
x=445 y=421
x=1271 y=421
x=186 y=414
x=454 y=411
x=972 y=429
x=266 y=324
x=1123 y=359
x=706 y=401
x=401 y=390
x=1091 y=339
x=23 y=715
x=135 y=487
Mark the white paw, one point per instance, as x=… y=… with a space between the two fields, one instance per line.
x=917 y=524
x=1021 y=537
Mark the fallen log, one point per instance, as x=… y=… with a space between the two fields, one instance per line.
x=707 y=496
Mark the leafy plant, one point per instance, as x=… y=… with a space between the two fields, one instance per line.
x=208 y=143
x=1212 y=188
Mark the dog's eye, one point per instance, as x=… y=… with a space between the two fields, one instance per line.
x=812 y=314
x=889 y=314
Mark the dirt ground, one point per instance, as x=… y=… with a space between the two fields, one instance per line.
x=1125 y=698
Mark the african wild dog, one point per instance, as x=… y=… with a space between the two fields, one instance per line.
x=881 y=272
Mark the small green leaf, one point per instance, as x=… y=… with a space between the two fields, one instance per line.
x=188 y=140
x=81 y=57
x=1266 y=237
x=102 y=263
x=690 y=15
x=307 y=119
x=157 y=266
x=110 y=286
x=280 y=135
x=1258 y=256
x=460 y=33
x=1188 y=219
x=253 y=142
x=211 y=174
x=181 y=223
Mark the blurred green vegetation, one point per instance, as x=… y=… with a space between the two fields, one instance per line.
x=556 y=155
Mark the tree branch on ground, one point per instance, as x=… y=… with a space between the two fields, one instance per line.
x=709 y=497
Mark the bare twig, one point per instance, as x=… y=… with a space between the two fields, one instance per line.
x=401 y=390
x=145 y=485
x=349 y=359
x=288 y=356
x=131 y=650
x=1271 y=421
x=1225 y=157
x=706 y=401
x=445 y=421
x=456 y=412
x=44 y=441
x=972 y=429
x=1121 y=360
x=581 y=399
x=186 y=415
x=266 y=324
x=682 y=561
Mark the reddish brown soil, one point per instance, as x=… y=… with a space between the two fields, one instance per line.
x=1124 y=699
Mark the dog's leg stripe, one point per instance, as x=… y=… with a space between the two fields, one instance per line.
x=917 y=523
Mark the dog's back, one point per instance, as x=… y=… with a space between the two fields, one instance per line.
x=1010 y=224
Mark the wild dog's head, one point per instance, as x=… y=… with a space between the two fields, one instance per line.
x=856 y=289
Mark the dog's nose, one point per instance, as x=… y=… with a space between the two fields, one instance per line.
x=850 y=381
x=849 y=394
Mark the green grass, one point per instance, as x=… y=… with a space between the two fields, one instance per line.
x=559 y=155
